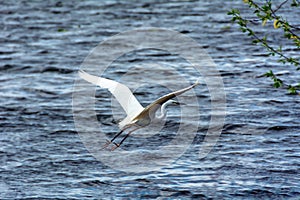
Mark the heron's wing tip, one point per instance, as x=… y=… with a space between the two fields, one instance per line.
x=80 y=72
x=197 y=82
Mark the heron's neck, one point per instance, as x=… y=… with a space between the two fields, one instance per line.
x=163 y=111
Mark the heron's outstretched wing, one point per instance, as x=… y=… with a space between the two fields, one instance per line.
x=153 y=106
x=171 y=95
x=121 y=92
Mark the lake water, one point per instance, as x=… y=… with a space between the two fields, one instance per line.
x=43 y=44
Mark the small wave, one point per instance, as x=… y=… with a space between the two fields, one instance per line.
x=55 y=69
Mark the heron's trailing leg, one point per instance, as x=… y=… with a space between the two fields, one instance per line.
x=117 y=145
x=108 y=142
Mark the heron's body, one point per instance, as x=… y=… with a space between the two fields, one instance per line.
x=137 y=115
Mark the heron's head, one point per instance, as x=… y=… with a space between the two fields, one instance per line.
x=172 y=102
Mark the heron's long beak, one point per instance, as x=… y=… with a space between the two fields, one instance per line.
x=177 y=103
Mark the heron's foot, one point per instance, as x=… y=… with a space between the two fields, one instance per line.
x=115 y=147
x=108 y=142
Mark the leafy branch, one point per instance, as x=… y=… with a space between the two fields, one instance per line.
x=265 y=12
x=279 y=83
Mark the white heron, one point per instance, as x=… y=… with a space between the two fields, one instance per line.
x=137 y=116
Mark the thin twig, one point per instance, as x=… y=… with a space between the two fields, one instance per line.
x=280 y=6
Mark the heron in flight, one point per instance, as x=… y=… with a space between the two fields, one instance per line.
x=137 y=116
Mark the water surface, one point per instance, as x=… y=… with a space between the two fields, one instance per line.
x=42 y=156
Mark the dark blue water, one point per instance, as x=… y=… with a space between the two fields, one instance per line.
x=42 y=156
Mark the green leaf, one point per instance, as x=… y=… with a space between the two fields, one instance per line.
x=269 y=74
x=292 y=90
x=255 y=41
x=295 y=3
x=277 y=83
x=61 y=30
